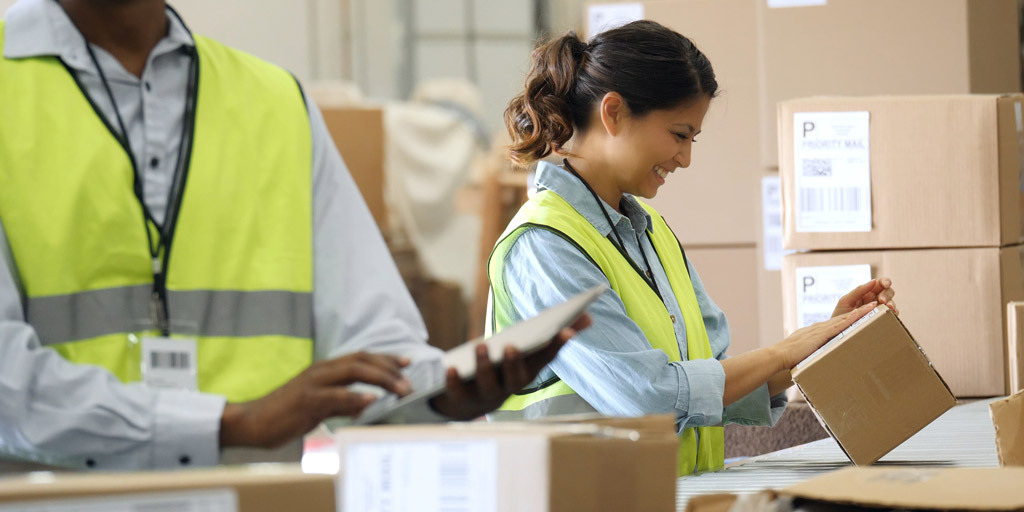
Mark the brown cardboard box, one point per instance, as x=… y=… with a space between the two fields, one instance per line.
x=509 y=467
x=358 y=132
x=872 y=387
x=730 y=275
x=889 y=488
x=1008 y=420
x=713 y=202
x=954 y=298
x=917 y=488
x=1015 y=347
x=945 y=172
x=260 y=488
x=861 y=47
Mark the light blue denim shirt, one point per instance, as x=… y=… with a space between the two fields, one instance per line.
x=611 y=364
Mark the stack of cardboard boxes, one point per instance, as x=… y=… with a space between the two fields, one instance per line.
x=926 y=190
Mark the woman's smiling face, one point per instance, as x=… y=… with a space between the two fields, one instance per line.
x=652 y=146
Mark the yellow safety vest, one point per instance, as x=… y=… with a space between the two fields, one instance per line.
x=700 y=449
x=239 y=268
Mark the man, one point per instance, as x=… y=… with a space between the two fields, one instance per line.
x=175 y=212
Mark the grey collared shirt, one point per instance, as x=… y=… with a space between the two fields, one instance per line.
x=57 y=412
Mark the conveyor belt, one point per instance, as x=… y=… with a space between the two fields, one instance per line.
x=962 y=437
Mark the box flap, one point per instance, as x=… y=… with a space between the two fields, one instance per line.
x=1008 y=419
x=918 y=488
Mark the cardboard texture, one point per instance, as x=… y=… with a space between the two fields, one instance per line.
x=1008 y=420
x=358 y=132
x=713 y=201
x=965 y=340
x=873 y=387
x=862 y=47
x=1015 y=346
x=728 y=274
x=944 y=172
x=259 y=488
x=917 y=488
x=536 y=466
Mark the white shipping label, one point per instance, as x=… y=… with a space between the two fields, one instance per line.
x=818 y=289
x=832 y=171
x=774 y=4
x=170 y=362
x=442 y=476
x=207 y=500
x=608 y=16
x=771 y=222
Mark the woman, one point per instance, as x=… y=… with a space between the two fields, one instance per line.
x=631 y=102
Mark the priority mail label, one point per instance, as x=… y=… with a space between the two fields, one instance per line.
x=832 y=174
x=439 y=476
x=818 y=289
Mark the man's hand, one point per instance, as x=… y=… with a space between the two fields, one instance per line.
x=318 y=393
x=879 y=290
x=465 y=401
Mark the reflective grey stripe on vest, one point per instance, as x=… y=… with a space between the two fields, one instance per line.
x=554 y=406
x=79 y=316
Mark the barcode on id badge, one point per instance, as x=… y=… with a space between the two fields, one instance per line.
x=832 y=199
x=173 y=360
x=817 y=167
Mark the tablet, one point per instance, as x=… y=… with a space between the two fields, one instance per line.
x=528 y=336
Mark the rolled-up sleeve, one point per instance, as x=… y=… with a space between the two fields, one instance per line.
x=756 y=408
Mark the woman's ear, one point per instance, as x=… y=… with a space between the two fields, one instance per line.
x=613 y=112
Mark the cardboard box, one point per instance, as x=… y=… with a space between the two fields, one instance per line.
x=872 y=387
x=917 y=488
x=258 y=488
x=1015 y=347
x=713 y=202
x=358 y=132
x=729 y=275
x=512 y=466
x=1008 y=420
x=862 y=47
x=891 y=488
x=963 y=336
x=944 y=172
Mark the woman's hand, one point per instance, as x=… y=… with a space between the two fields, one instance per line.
x=879 y=290
x=804 y=342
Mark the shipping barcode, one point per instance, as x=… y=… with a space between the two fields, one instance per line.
x=169 y=360
x=455 y=489
x=832 y=199
x=817 y=167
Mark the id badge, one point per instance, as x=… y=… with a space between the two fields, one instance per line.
x=170 y=363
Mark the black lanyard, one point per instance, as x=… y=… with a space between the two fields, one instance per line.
x=161 y=249
x=649 y=277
